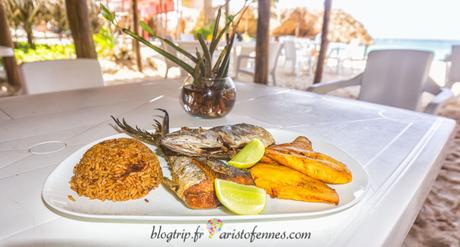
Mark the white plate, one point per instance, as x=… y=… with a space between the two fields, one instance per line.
x=165 y=206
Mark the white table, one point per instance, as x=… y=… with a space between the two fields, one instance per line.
x=401 y=150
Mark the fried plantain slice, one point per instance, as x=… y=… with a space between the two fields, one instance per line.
x=313 y=164
x=286 y=183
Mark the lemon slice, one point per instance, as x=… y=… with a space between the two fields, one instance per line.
x=240 y=199
x=249 y=155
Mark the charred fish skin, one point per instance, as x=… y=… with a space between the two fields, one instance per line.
x=238 y=135
x=221 y=142
x=192 y=182
x=194 y=142
x=227 y=172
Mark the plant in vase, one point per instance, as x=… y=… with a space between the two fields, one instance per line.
x=208 y=91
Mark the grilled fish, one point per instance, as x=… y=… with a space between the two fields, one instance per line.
x=220 y=142
x=193 y=179
x=192 y=154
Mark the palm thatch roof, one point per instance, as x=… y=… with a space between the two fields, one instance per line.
x=343 y=28
x=298 y=22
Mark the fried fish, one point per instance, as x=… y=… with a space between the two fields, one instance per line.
x=221 y=142
x=193 y=180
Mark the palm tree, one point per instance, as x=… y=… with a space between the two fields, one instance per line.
x=25 y=13
x=58 y=17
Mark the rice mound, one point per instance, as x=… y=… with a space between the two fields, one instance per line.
x=118 y=170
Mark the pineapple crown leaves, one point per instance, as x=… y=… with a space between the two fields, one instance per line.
x=203 y=61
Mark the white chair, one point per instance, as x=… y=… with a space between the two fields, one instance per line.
x=395 y=78
x=186 y=37
x=247 y=49
x=6 y=51
x=61 y=75
x=352 y=53
x=297 y=53
x=169 y=63
x=290 y=55
x=453 y=71
x=275 y=51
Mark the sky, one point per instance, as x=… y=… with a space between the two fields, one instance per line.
x=408 y=19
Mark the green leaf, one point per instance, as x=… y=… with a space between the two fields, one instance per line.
x=147 y=28
x=107 y=14
x=223 y=70
x=178 y=48
x=164 y=53
x=207 y=56
x=200 y=62
x=214 y=33
x=221 y=33
x=219 y=61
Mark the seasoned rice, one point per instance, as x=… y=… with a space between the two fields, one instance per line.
x=118 y=170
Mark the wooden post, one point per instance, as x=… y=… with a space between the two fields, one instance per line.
x=136 y=45
x=77 y=15
x=324 y=42
x=11 y=67
x=262 y=42
x=208 y=14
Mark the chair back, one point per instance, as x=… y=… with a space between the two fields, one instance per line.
x=454 y=73
x=186 y=37
x=171 y=50
x=189 y=46
x=290 y=51
x=61 y=75
x=395 y=77
x=274 y=54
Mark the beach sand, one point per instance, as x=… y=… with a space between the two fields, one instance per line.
x=438 y=223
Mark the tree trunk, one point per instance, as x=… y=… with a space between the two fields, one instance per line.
x=324 y=42
x=262 y=42
x=136 y=45
x=30 y=35
x=11 y=67
x=227 y=14
x=208 y=15
x=82 y=34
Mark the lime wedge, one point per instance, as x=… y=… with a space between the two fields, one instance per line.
x=249 y=155
x=240 y=199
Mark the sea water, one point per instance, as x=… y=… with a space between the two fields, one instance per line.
x=441 y=48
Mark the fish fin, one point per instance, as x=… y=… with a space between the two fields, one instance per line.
x=136 y=132
x=170 y=184
x=162 y=128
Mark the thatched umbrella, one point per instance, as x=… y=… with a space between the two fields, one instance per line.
x=248 y=23
x=344 y=28
x=298 y=22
